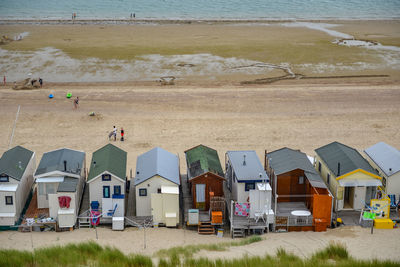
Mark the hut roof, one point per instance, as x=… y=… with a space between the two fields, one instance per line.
x=349 y=159
x=201 y=159
x=285 y=160
x=54 y=161
x=108 y=158
x=385 y=156
x=247 y=166
x=160 y=162
x=14 y=162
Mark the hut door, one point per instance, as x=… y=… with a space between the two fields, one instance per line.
x=200 y=196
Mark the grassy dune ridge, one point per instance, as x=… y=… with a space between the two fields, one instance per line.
x=92 y=254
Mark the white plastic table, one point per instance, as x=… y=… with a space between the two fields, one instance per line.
x=301 y=213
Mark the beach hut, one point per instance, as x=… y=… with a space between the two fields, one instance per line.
x=249 y=193
x=157 y=184
x=349 y=176
x=106 y=181
x=16 y=178
x=60 y=179
x=302 y=201
x=386 y=160
x=205 y=175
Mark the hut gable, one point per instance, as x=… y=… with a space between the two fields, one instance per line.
x=342 y=159
x=247 y=166
x=202 y=159
x=14 y=162
x=160 y=162
x=109 y=159
x=386 y=157
x=285 y=160
x=62 y=161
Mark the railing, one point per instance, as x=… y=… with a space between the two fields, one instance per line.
x=287 y=221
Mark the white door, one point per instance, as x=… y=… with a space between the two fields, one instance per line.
x=157 y=208
x=200 y=196
x=106 y=205
x=359 y=197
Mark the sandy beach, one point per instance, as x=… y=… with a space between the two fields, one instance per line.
x=361 y=244
x=225 y=117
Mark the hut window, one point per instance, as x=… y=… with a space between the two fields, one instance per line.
x=106 y=177
x=4 y=178
x=328 y=178
x=159 y=190
x=41 y=189
x=319 y=166
x=249 y=186
x=106 y=191
x=301 y=179
x=117 y=190
x=143 y=192
x=50 y=188
x=9 y=200
x=384 y=181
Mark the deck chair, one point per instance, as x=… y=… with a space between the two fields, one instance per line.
x=111 y=212
x=393 y=203
x=261 y=214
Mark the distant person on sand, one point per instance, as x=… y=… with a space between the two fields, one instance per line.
x=4 y=80
x=76 y=102
x=40 y=82
x=122 y=134
x=115 y=133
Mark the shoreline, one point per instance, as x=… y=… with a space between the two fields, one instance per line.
x=150 y=21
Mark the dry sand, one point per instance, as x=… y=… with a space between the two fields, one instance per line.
x=228 y=117
x=382 y=244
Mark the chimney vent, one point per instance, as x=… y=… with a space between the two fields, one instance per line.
x=65 y=165
x=20 y=165
x=94 y=164
x=338 y=169
x=244 y=160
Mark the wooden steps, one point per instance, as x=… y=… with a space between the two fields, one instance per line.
x=84 y=223
x=206 y=228
x=238 y=232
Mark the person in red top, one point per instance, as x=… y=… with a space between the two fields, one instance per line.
x=4 y=80
x=122 y=134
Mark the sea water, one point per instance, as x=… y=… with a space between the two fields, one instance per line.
x=201 y=9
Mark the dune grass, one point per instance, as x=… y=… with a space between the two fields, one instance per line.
x=82 y=254
x=92 y=254
x=188 y=251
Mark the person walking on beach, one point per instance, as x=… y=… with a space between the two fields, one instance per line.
x=115 y=133
x=122 y=134
x=76 y=102
x=4 y=80
x=40 y=82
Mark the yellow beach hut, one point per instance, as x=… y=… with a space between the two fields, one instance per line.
x=349 y=176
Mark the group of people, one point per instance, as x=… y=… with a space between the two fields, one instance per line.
x=40 y=80
x=114 y=132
